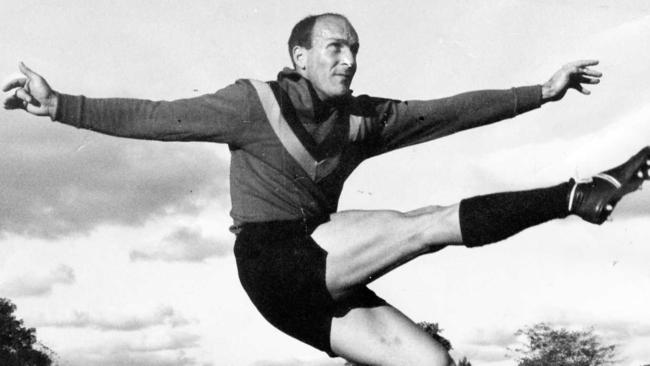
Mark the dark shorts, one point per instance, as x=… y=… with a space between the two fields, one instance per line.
x=283 y=271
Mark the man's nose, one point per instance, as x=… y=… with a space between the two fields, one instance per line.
x=347 y=57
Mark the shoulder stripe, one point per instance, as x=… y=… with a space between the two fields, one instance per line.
x=316 y=170
x=356 y=128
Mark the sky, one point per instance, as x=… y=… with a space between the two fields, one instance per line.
x=117 y=251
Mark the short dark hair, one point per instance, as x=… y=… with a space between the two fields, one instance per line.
x=301 y=34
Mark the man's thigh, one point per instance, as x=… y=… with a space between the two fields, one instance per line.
x=384 y=336
x=363 y=245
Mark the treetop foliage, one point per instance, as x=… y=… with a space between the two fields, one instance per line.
x=547 y=346
x=18 y=345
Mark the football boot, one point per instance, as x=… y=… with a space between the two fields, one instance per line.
x=594 y=200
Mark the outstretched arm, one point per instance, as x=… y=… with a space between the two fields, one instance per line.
x=215 y=117
x=411 y=122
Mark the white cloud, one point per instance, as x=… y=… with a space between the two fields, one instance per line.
x=493 y=337
x=615 y=330
x=37 y=284
x=166 y=316
x=480 y=355
x=184 y=245
x=171 y=350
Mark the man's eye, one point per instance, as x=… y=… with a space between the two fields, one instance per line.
x=335 y=47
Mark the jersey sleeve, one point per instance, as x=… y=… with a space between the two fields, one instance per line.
x=404 y=123
x=216 y=117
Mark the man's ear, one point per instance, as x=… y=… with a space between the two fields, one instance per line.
x=299 y=55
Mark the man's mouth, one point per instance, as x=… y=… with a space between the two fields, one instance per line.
x=345 y=76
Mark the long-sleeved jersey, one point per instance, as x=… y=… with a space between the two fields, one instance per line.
x=267 y=181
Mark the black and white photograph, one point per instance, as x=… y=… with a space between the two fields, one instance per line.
x=324 y=183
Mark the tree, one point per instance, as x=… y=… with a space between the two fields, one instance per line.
x=18 y=345
x=464 y=362
x=560 y=347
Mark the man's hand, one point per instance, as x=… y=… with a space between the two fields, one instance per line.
x=31 y=93
x=571 y=75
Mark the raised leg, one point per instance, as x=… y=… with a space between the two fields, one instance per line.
x=383 y=336
x=363 y=245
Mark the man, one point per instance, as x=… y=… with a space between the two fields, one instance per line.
x=294 y=141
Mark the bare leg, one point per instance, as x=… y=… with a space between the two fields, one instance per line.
x=384 y=336
x=363 y=245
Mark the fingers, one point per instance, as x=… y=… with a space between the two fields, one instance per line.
x=26 y=92
x=581 y=67
x=23 y=95
x=14 y=102
x=582 y=74
x=588 y=80
x=584 y=63
x=578 y=81
x=583 y=90
x=590 y=72
x=18 y=82
x=19 y=99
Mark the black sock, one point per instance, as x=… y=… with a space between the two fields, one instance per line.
x=494 y=217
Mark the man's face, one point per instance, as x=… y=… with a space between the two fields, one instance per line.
x=330 y=63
